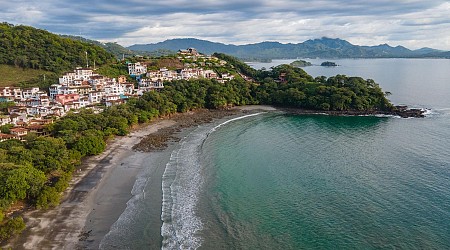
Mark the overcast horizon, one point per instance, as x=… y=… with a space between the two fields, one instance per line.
x=410 y=23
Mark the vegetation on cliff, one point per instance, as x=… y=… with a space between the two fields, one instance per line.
x=35 y=171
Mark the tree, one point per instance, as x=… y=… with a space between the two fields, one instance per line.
x=11 y=227
x=49 y=154
x=49 y=197
x=21 y=182
x=90 y=143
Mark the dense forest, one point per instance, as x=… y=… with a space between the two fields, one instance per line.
x=28 y=47
x=290 y=86
x=35 y=171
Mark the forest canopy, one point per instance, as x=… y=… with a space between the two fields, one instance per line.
x=28 y=47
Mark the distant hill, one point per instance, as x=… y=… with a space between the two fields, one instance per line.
x=28 y=47
x=322 y=48
x=119 y=51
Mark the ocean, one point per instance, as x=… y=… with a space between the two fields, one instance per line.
x=277 y=181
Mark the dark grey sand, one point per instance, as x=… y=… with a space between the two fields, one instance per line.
x=99 y=191
x=97 y=198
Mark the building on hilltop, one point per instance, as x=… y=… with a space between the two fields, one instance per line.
x=188 y=52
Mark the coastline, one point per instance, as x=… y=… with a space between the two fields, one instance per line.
x=400 y=111
x=100 y=189
x=62 y=227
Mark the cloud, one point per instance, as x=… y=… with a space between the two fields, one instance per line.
x=411 y=23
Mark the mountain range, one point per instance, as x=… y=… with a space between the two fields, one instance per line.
x=321 y=48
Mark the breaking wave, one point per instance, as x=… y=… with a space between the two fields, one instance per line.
x=181 y=185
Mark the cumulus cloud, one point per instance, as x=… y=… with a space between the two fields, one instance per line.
x=412 y=23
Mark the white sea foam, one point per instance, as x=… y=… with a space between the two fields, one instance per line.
x=119 y=232
x=383 y=115
x=234 y=119
x=181 y=184
x=440 y=111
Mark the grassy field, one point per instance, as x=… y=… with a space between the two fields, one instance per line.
x=12 y=76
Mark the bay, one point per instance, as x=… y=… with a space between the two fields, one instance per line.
x=277 y=181
x=416 y=82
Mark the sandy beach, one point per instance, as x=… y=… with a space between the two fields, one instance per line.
x=102 y=181
x=101 y=188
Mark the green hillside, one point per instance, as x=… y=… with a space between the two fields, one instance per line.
x=31 y=48
x=14 y=76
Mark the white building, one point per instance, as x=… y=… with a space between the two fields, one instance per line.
x=58 y=89
x=135 y=69
x=114 y=89
x=76 y=77
x=95 y=97
x=148 y=83
x=32 y=93
x=12 y=92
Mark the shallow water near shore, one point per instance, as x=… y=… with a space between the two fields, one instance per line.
x=327 y=182
x=278 y=181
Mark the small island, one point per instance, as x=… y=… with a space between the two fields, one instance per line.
x=42 y=157
x=328 y=64
x=300 y=63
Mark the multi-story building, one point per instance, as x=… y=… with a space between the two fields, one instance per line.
x=76 y=77
x=149 y=84
x=65 y=98
x=136 y=69
x=95 y=97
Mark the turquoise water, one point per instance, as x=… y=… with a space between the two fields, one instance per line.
x=277 y=181
x=320 y=182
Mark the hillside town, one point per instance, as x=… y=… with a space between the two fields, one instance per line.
x=30 y=109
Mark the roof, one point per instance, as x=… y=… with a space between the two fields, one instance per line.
x=35 y=127
x=18 y=130
x=6 y=136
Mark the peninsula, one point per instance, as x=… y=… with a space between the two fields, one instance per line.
x=50 y=129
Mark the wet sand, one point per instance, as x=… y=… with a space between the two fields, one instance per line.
x=105 y=180
x=99 y=191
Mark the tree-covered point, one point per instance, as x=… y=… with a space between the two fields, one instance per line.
x=240 y=66
x=300 y=63
x=290 y=86
x=36 y=170
x=28 y=47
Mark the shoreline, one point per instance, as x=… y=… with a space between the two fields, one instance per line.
x=99 y=191
x=401 y=111
x=61 y=227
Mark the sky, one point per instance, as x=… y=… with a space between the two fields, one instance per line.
x=410 y=23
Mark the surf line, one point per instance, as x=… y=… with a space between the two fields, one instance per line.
x=234 y=119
